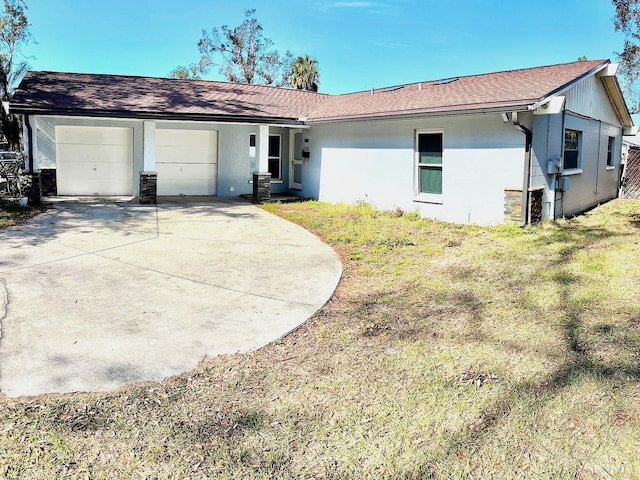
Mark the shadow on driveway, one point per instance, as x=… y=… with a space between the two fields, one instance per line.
x=102 y=294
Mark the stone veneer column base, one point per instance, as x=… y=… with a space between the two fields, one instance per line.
x=535 y=204
x=35 y=193
x=48 y=184
x=148 y=187
x=513 y=205
x=261 y=187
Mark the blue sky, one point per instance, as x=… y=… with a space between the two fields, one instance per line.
x=358 y=44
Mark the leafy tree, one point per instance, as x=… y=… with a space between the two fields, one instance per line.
x=582 y=59
x=304 y=74
x=186 y=72
x=14 y=33
x=244 y=55
x=627 y=20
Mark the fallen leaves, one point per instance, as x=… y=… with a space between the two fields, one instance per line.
x=475 y=379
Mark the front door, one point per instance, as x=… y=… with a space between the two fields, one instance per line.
x=295 y=159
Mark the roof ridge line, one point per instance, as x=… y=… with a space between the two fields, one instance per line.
x=199 y=80
x=434 y=80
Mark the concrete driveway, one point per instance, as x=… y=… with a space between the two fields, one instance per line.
x=98 y=295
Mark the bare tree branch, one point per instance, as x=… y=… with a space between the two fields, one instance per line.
x=244 y=55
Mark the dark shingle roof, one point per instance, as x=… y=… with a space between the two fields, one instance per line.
x=117 y=95
x=145 y=97
x=515 y=88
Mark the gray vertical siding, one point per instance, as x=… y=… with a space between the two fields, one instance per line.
x=595 y=183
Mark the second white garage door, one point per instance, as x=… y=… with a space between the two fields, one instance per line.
x=186 y=162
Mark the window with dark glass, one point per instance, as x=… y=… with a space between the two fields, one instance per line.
x=429 y=163
x=275 y=158
x=571 y=149
x=610 y=157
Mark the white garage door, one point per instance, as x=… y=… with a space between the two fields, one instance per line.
x=186 y=162
x=94 y=160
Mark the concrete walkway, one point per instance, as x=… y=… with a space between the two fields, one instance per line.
x=95 y=295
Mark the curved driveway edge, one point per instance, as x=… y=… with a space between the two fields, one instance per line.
x=100 y=295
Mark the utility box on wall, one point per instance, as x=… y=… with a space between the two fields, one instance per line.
x=560 y=183
x=553 y=165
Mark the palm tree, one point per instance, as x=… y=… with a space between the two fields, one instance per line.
x=304 y=74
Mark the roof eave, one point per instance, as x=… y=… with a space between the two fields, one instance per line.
x=143 y=115
x=423 y=113
x=610 y=82
x=616 y=96
x=563 y=88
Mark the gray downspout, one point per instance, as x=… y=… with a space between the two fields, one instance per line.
x=30 y=141
x=559 y=174
x=599 y=151
x=526 y=181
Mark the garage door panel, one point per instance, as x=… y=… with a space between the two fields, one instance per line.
x=166 y=137
x=189 y=154
x=94 y=160
x=186 y=162
x=95 y=186
x=93 y=135
x=186 y=179
x=110 y=171
x=188 y=187
x=74 y=154
x=186 y=170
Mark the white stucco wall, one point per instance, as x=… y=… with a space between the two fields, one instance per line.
x=374 y=162
x=234 y=164
x=234 y=170
x=44 y=139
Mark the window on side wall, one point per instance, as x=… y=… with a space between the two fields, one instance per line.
x=429 y=165
x=610 y=158
x=275 y=157
x=571 y=155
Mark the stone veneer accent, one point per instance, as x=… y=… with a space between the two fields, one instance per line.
x=535 y=205
x=148 y=187
x=261 y=187
x=35 y=192
x=48 y=184
x=513 y=205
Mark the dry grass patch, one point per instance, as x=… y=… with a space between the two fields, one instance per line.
x=447 y=352
x=11 y=214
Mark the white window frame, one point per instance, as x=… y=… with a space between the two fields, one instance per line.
x=611 y=158
x=279 y=157
x=578 y=168
x=421 y=196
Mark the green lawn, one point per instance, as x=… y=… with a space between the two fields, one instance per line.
x=446 y=352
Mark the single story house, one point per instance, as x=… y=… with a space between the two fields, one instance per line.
x=519 y=145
